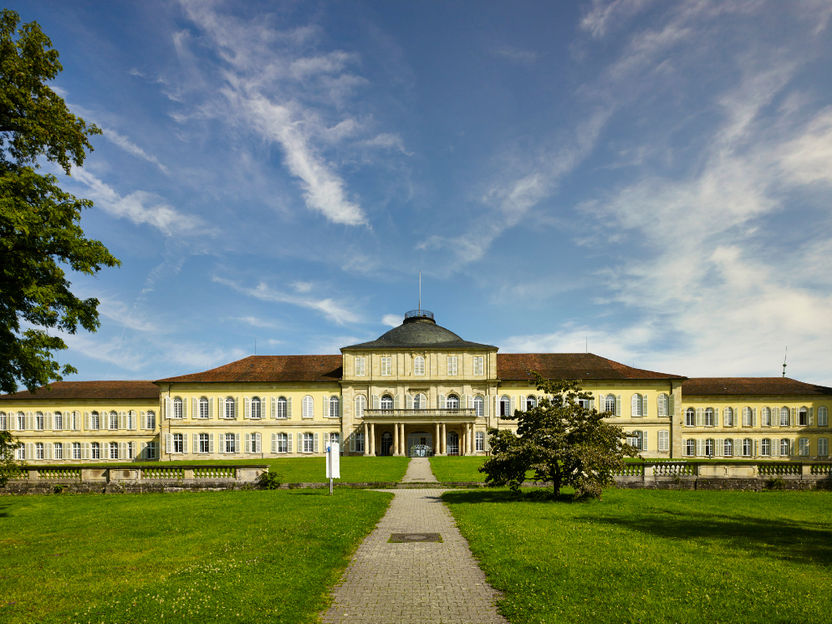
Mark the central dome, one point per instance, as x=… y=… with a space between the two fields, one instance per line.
x=419 y=330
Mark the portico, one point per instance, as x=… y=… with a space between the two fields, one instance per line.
x=419 y=432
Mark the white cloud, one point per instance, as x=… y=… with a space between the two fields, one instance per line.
x=808 y=158
x=515 y=55
x=605 y=14
x=392 y=320
x=254 y=321
x=131 y=148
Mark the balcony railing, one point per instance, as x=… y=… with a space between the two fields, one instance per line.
x=421 y=413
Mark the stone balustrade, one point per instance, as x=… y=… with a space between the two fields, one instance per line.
x=716 y=475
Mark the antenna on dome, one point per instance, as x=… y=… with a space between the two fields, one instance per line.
x=420 y=292
x=784 y=360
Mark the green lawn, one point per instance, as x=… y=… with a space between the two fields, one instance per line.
x=654 y=556
x=232 y=556
x=455 y=468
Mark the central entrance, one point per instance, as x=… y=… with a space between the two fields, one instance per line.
x=419 y=444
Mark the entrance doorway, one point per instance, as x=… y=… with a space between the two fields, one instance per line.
x=453 y=443
x=419 y=444
x=387 y=443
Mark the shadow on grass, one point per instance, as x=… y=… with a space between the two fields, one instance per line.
x=470 y=497
x=756 y=537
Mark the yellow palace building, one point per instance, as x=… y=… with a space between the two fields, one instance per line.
x=418 y=389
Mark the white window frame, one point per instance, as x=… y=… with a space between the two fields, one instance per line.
x=57 y=450
x=690 y=447
x=420 y=401
x=95 y=450
x=358 y=436
x=803 y=447
x=663 y=440
x=453 y=366
x=203 y=443
x=479 y=365
x=229 y=443
x=256 y=408
x=308 y=405
x=152 y=450
x=784 y=416
x=479 y=406
x=710 y=417
x=386 y=402
x=531 y=402
x=452 y=402
x=76 y=450
x=282 y=408
x=823 y=447
x=609 y=404
x=230 y=408
x=765 y=417
x=709 y=447
x=505 y=406
x=112 y=451
x=150 y=420
x=360 y=366
x=479 y=441
x=803 y=417
x=765 y=447
x=386 y=366
x=39 y=421
x=177 y=443
x=307 y=443
x=747 y=447
x=728 y=447
x=637 y=406
x=419 y=366
x=40 y=453
x=204 y=410
x=785 y=447
x=334 y=407
x=823 y=416
x=178 y=408
x=95 y=421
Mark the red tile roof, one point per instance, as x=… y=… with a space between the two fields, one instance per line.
x=714 y=386
x=270 y=368
x=584 y=366
x=90 y=390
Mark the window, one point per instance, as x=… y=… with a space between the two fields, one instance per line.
x=663 y=405
x=152 y=450
x=58 y=450
x=585 y=403
x=95 y=421
x=690 y=417
x=802 y=417
x=420 y=401
x=334 y=407
x=282 y=408
x=308 y=441
x=204 y=443
x=130 y=419
x=803 y=447
x=637 y=406
x=203 y=407
x=728 y=417
x=39 y=450
x=766 y=417
x=178 y=443
x=360 y=368
x=113 y=450
x=39 y=421
x=690 y=448
x=823 y=418
x=95 y=450
x=452 y=402
x=531 y=402
x=334 y=438
x=728 y=447
x=358 y=440
x=21 y=421
x=452 y=365
x=479 y=441
x=664 y=440
x=150 y=420
x=785 y=447
x=386 y=366
x=131 y=451
x=282 y=443
x=113 y=421
x=505 y=406
x=230 y=443
x=3 y=423
x=747 y=445
x=386 y=402
x=479 y=365
x=636 y=439
x=256 y=408
x=177 y=407
x=254 y=443
x=360 y=405
x=230 y=408
x=609 y=404
x=709 y=447
x=823 y=447
x=308 y=407
x=784 y=416
x=747 y=417
x=419 y=365
x=765 y=447
x=709 y=417
x=21 y=452
x=479 y=406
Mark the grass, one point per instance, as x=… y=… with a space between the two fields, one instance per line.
x=232 y=556
x=354 y=469
x=654 y=556
x=450 y=469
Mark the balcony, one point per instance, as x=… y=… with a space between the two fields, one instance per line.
x=452 y=414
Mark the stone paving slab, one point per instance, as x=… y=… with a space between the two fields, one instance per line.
x=418 y=471
x=419 y=582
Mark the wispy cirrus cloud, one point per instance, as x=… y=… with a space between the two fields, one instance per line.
x=131 y=148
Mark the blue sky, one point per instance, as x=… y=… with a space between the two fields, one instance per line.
x=652 y=179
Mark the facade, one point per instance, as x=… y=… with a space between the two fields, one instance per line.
x=419 y=389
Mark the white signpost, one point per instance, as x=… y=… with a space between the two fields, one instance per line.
x=333 y=463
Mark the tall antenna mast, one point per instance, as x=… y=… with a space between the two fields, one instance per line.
x=784 y=360
x=420 y=293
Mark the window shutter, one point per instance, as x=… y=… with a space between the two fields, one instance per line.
x=700 y=446
x=716 y=417
x=47 y=421
x=194 y=407
x=375 y=401
x=247 y=413
x=122 y=424
x=408 y=401
x=168 y=442
x=85 y=450
x=248 y=443
x=289 y=437
x=496 y=405
x=592 y=404
x=300 y=442
x=236 y=442
x=485 y=403
x=700 y=416
x=644 y=406
x=122 y=450
x=793 y=419
x=274 y=408
x=754 y=417
x=756 y=453
x=618 y=405
x=511 y=406
x=274 y=438
x=211 y=443
x=316 y=439
x=441 y=401
x=196 y=444
x=87 y=421
x=720 y=448
x=352 y=442
x=47 y=450
x=220 y=407
x=775 y=447
x=811 y=415
x=644 y=445
x=168 y=408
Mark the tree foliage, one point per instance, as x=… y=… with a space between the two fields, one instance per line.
x=40 y=232
x=8 y=465
x=561 y=440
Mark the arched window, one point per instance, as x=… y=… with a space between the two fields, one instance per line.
x=177 y=408
x=747 y=417
x=452 y=402
x=256 y=408
x=39 y=421
x=386 y=402
x=360 y=405
x=420 y=401
x=113 y=420
x=505 y=406
x=784 y=416
x=728 y=417
x=150 y=420
x=785 y=447
x=419 y=365
x=334 y=407
x=690 y=417
x=95 y=421
x=609 y=404
x=282 y=408
x=203 y=407
x=39 y=454
x=709 y=417
x=113 y=450
x=95 y=450
x=479 y=406
x=728 y=447
x=766 y=417
x=803 y=417
x=663 y=405
x=57 y=422
x=531 y=402
x=308 y=407
x=637 y=406
x=230 y=407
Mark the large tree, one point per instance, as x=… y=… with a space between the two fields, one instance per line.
x=562 y=440
x=40 y=231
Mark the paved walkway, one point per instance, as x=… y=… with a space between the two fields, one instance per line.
x=418 y=471
x=414 y=582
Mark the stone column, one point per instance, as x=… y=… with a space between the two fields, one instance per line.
x=403 y=442
x=437 y=450
x=372 y=439
x=471 y=438
x=366 y=439
x=396 y=439
x=443 y=438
